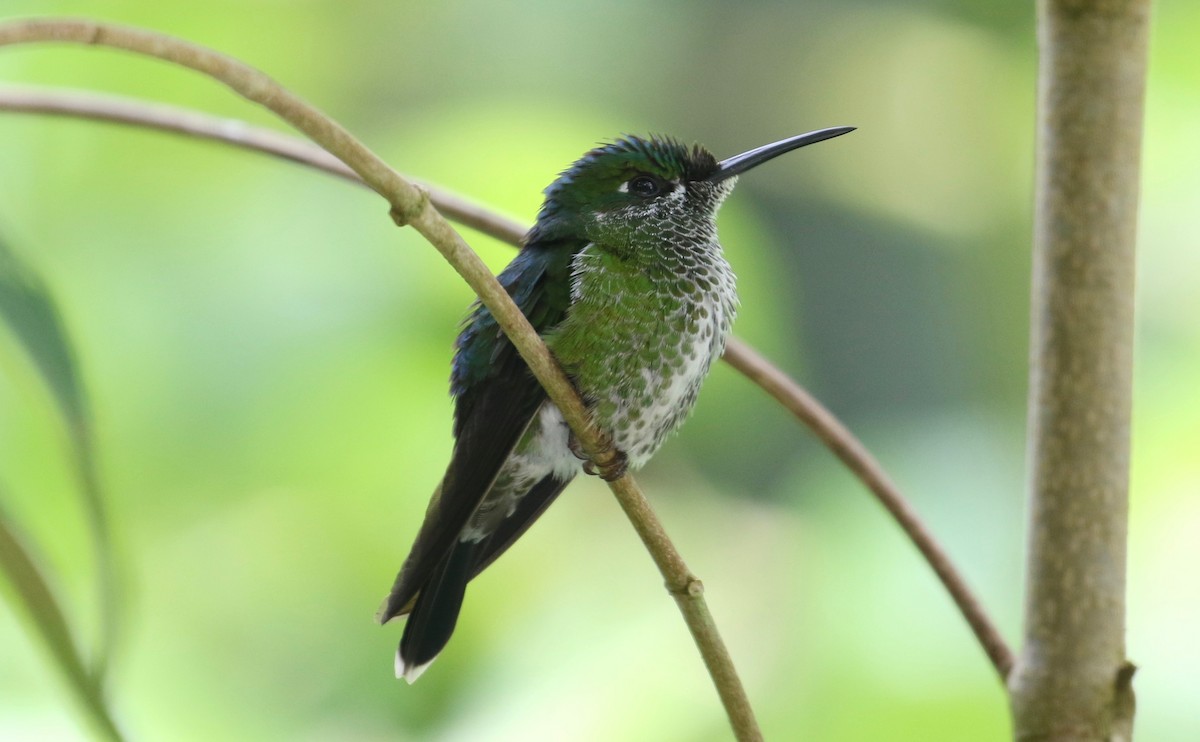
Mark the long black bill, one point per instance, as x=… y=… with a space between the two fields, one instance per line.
x=755 y=157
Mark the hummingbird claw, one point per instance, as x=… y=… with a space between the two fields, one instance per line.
x=614 y=466
x=577 y=451
x=611 y=470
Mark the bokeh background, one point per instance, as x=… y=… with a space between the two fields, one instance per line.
x=267 y=358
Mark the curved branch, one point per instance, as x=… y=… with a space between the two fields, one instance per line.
x=175 y=119
x=742 y=357
x=838 y=439
x=411 y=206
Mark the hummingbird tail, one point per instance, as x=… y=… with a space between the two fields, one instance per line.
x=435 y=613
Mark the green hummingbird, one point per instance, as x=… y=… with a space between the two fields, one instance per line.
x=623 y=277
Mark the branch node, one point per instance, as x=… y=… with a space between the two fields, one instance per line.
x=691 y=588
x=1125 y=676
x=403 y=214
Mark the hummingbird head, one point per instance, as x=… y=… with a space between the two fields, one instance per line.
x=616 y=190
x=641 y=193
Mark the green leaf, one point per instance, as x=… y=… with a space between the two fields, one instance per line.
x=47 y=618
x=27 y=307
x=29 y=310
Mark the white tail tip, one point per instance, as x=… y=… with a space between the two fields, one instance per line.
x=410 y=674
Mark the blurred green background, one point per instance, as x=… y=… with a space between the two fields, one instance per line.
x=267 y=358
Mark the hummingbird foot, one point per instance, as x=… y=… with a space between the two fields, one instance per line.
x=610 y=470
x=576 y=448
x=610 y=464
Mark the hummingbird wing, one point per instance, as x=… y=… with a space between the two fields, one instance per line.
x=496 y=398
x=529 y=508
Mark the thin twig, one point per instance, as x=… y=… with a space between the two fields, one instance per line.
x=838 y=439
x=827 y=428
x=411 y=206
x=178 y=120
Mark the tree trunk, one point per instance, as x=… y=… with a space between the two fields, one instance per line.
x=1071 y=680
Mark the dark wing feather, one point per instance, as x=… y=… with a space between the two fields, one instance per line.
x=529 y=509
x=436 y=606
x=496 y=396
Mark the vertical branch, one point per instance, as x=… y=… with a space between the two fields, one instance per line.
x=1072 y=680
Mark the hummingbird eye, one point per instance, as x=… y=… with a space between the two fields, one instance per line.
x=645 y=186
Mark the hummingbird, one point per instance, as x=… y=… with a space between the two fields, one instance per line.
x=623 y=277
